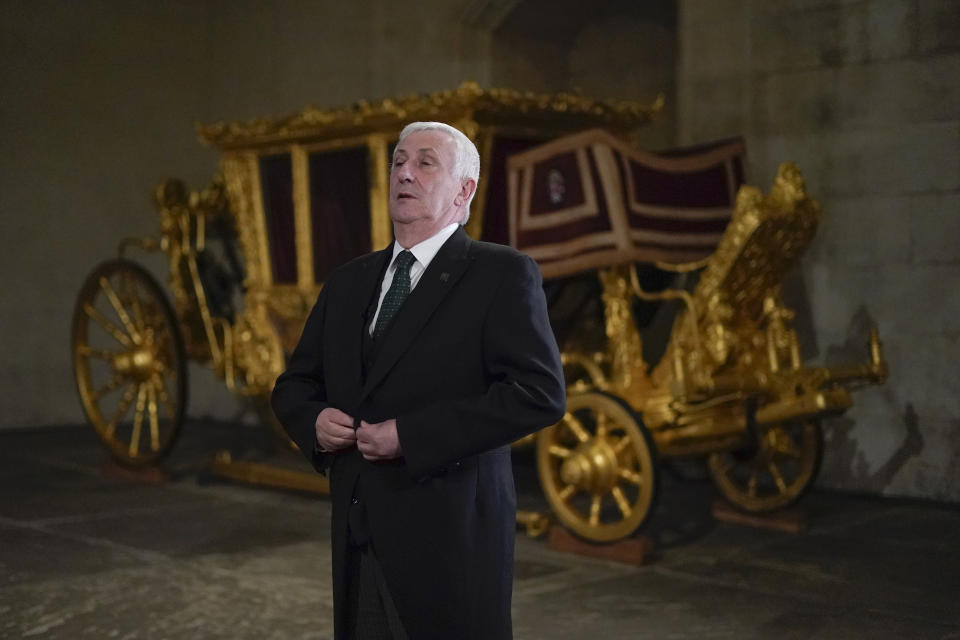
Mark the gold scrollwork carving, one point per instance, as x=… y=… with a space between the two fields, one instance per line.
x=463 y=103
x=239 y=172
x=257 y=350
x=628 y=370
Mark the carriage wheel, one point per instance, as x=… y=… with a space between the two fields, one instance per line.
x=129 y=362
x=597 y=467
x=777 y=468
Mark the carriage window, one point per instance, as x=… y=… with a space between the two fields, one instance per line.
x=339 y=207
x=276 y=182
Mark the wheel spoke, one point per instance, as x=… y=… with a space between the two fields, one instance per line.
x=164 y=396
x=786 y=445
x=621 y=444
x=601 y=425
x=777 y=477
x=574 y=425
x=108 y=326
x=567 y=492
x=631 y=476
x=122 y=407
x=90 y=352
x=130 y=293
x=622 y=502
x=121 y=311
x=595 y=510
x=560 y=452
x=112 y=384
x=752 y=484
x=154 y=420
x=138 y=421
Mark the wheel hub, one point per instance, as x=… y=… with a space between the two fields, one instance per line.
x=137 y=363
x=592 y=467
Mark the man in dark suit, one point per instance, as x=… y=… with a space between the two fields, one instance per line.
x=416 y=369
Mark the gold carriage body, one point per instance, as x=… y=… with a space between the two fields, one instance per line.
x=298 y=195
x=314 y=153
x=730 y=384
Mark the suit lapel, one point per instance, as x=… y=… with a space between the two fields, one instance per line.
x=443 y=273
x=364 y=293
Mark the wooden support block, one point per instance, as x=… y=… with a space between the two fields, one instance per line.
x=630 y=551
x=267 y=475
x=792 y=520
x=143 y=475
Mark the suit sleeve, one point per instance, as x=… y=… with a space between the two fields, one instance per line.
x=299 y=394
x=526 y=392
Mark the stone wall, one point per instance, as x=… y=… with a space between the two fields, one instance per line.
x=864 y=96
x=99 y=101
x=619 y=49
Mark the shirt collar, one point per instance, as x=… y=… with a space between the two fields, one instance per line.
x=425 y=251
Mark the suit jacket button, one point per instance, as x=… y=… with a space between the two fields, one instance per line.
x=355 y=501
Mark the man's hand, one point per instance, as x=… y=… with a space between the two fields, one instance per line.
x=378 y=441
x=335 y=430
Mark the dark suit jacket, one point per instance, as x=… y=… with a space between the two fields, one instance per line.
x=468 y=365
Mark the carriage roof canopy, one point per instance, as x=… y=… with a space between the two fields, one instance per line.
x=590 y=200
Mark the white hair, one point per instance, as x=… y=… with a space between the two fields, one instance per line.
x=467 y=161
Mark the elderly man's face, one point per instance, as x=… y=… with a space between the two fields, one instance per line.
x=422 y=185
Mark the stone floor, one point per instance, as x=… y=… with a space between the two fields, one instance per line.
x=84 y=554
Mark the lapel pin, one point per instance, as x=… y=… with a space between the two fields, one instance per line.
x=444 y=276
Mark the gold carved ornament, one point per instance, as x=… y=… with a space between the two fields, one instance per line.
x=468 y=106
x=731 y=379
x=246 y=354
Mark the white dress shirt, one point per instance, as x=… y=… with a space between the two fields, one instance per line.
x=423 y=254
